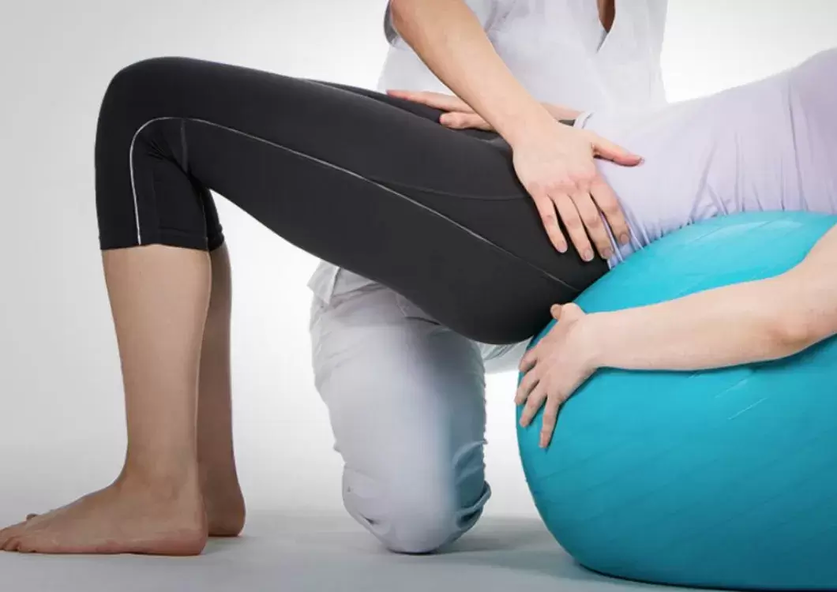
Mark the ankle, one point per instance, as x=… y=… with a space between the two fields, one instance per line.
x=163 y=481
x=177 y=496
x=212 y=475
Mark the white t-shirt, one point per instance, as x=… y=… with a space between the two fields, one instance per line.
x=560 y=52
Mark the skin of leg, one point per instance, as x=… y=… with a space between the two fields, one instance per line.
x=159 y=299
x=224 y=501
x=219 y=479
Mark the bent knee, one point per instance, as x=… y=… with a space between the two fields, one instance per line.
x=418 y=529
x=420 y=533
x=416 y=521
x=138 y=92
x=132 y=81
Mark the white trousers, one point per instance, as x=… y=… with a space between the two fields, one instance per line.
x=406 y=399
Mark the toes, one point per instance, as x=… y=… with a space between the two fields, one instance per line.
x=24 y=546
x=12 y=545
x=8 y=533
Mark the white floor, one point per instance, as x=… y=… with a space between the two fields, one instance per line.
x=324 y=554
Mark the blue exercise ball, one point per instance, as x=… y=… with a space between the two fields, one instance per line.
x=722 y=479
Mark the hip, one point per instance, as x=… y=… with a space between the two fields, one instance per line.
x=756 y=147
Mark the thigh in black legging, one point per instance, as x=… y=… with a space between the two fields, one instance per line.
x=369 y=182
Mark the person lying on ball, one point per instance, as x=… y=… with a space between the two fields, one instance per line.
x=445 y=218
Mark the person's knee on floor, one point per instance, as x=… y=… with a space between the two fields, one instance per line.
x=406 y=402
x=417 y=514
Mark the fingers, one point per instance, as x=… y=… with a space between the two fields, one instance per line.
x=581 y=220
x=581 y=211
x=554 y=401
x=546 y=208
x=433 y=99
x=593 y=224
x=551 y=399
x=524 y=389
x=528 y=361
x=461 y=120
x=609 y=151
x=607 y=202
x=459 y=114
x=533 y=404
x=603 y=195
x=569 y=312
x=567 y=183
x=571 y=218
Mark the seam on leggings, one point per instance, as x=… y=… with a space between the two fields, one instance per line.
x=184 y=147
x=133 y=180
x=442 y=192
x=421 y=206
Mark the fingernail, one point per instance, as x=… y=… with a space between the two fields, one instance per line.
x=624 y=239
x=607 y=253
x=588 y=255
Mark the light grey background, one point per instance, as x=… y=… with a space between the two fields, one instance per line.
x=61 y=414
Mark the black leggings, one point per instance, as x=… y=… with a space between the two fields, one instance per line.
x=369 y=182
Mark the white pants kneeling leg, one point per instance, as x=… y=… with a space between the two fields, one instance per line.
x=406 y=399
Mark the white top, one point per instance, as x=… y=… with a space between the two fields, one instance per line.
x=769 y=145
x=560 y=52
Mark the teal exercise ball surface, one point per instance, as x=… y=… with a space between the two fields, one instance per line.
x=720 y=479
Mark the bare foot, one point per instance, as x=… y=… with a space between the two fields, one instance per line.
x=123 y=518
x=225 y=509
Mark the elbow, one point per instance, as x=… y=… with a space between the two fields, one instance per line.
x=793 y=333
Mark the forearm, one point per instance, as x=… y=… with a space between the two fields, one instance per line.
x=727 y=326
x=738 y=324
x=449 y=39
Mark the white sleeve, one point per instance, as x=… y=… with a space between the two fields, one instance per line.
x=389 y=30
x=487 y=11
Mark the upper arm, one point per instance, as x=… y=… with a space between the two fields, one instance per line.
x=486 y=11
x=812 y=288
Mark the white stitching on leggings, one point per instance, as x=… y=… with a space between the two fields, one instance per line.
x=131 y=166
x=332 y=166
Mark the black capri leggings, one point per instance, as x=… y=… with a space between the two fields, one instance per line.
x=369 y=182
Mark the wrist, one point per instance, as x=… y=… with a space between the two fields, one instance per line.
x=591 y=343
x=528 y=125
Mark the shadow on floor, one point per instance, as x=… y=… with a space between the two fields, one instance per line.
x=524 y=545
